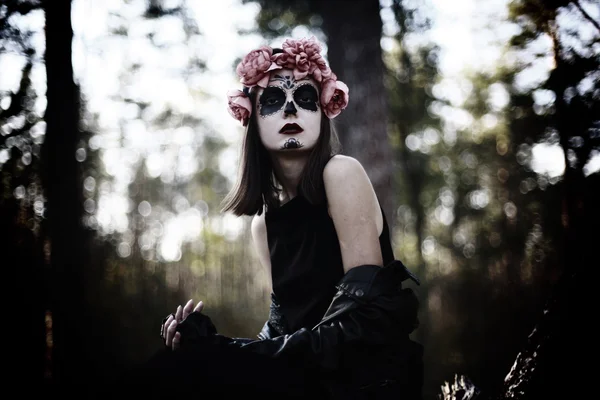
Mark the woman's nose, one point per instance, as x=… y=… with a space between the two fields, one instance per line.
x=290 y=108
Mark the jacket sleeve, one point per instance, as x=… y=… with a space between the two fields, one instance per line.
x=276 y=325
x=370 y=307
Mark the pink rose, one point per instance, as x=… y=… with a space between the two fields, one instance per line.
x=303 y=55
x=255 y=67
x=239 y=106
x=334 y=97
x=309 y=48
x=321 y=71
x=302 y=66
x=284 y=60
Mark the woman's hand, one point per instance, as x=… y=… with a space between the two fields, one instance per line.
x=173 y=338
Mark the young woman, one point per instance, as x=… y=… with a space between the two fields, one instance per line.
x=340 y=320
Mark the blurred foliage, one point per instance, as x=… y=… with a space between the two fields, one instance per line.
x=13 y=38
x=410 y=81
x=130 y=285
x=279 y=18
x=574 y=82
x=170 y=242
x=21 y=193
x=458 y=213
x=21 y=124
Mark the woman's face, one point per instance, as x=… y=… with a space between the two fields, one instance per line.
x=288 y=113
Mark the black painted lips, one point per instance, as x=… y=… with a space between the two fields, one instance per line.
x=289 y=129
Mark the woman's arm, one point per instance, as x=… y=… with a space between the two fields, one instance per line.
x=355 y=211
x=259 y=237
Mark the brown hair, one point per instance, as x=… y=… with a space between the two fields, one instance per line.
x=256 y=187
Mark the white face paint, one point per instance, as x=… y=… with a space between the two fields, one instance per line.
x=288 y=112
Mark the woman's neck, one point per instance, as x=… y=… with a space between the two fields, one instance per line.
x=288 y=170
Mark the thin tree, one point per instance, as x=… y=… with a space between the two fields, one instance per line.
x=61 y=178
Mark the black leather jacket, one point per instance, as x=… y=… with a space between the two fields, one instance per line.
x=361 y=346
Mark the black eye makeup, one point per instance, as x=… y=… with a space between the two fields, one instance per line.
x=274 y=98
x=306 y=96
x=271 y=100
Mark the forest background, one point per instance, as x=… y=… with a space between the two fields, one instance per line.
x=477 y=121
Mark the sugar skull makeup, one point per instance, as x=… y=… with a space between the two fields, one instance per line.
x=284 y=91
x=289 y=113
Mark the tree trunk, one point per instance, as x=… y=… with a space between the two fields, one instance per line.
x=23 y=281
x=353 y=30
x=63 y=187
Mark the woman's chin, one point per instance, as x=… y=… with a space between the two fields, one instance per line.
x=291 y=143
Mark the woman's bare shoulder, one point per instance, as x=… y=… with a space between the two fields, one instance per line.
x=343 y=171
x=340 y=166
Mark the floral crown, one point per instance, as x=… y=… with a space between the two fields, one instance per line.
x=304 y=58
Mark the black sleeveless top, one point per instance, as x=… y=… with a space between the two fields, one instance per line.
x=306 y=260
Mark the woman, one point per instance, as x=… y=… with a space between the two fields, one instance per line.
x=339 y=320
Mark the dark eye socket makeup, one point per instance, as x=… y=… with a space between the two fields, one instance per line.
x=306 y=97
x=273 y=99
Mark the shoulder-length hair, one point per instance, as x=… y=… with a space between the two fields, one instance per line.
x=257 y=188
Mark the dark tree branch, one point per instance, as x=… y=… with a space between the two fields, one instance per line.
x=586 y=15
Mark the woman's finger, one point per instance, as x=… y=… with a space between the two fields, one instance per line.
x=166 y=326
x=171 y=333
x=199 y=306
x=179 y=313
x=176 y=340
x=187 y=310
